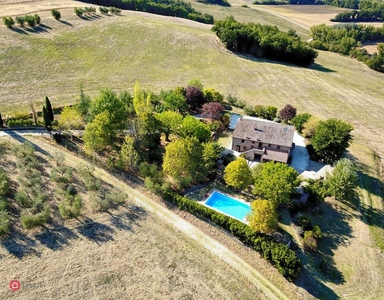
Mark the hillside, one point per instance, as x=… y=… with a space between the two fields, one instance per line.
x=162 y=53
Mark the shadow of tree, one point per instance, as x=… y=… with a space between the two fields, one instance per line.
x=57 y=238
x=320 y=267
x=18 y=30
x=65 y=23
x=21 y=139
x=314 y=66
x=126 y=220
x=95 y=231
x=20 y=245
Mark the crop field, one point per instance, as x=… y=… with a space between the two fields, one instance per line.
x=59 y=57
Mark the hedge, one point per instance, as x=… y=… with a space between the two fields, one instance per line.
x=278 y=254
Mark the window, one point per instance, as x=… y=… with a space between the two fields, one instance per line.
x=242 y=141
x=253 y=142
x=269 y=145
x=278 y=147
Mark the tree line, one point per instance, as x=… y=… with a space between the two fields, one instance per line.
x=338 y=3
x=215 y=2
x=173 y=8
x=347 y=38
x=368 y=11
x=264 y=41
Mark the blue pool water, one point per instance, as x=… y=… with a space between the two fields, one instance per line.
x=228 y=205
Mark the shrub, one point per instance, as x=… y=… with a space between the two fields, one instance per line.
x=241 y=104
x=279 y=255
x=3 y=203
x=56 y=14
x=70 y=206
x=23 y=199
x=103 y=10
x=114 y=10
x=232 y=99
x=304 y=222
x=4 y=222
x=8 y=21
x=116 y=196
x=310 y=242
x=31 y=21
x=37 y=19
x=20 y=20
x=79 y=11
x=31 y=219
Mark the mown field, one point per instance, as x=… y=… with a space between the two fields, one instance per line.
x=163 y=53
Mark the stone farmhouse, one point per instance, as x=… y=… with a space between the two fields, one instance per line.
x=262 y=140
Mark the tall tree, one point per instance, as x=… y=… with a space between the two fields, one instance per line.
x=48 y=106
x=170 y=122
x=299 y=121
x=212 y=95
x=332 y=137
x=275 y=182
x=70 y=118
x=176 y=102
x=129 y=156
x=107 y=101
x=83 y=104
x=194 y=97
x=141 y=100
x=183 y=161
x=212 y=110
x=211 y=154
x=287 y=113
x=343 y=180
x=1 y=121
x=99 y=133
x=238 y=174
x=194 y=127
x=47 y=119
x=263 y=217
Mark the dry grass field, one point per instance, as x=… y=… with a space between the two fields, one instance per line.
x=162 y=53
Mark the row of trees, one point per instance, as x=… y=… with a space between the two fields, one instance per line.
x=368 y=11
x=31 y=20
x=215 y=2
x=264 y=41
x=338 y=3
x=174 y=8
x=347 y=39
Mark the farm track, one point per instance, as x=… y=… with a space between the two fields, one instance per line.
x=173 y=219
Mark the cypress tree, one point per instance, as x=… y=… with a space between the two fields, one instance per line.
x=49 y=109
x=1 y=121
x=47 y=120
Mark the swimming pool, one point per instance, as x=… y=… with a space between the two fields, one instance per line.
x=228 y=205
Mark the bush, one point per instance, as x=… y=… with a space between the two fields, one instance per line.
x=114 y=10
x=241 y=104
x=30 y=219
x=304 y=222
x=56 y=14
x=8 y=21
x=20 y=20
x=232 y=99
x=3 y=204
x=310 y=242
x=103 y=10
x=70 y=206
x=279 y=255
x=4 y=222
x=31 y=21
x=79 y=11
x=37 y=19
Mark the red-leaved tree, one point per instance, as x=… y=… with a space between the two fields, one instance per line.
x=212 y=110
x=287 y=113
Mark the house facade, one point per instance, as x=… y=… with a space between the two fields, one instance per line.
x=262 y=140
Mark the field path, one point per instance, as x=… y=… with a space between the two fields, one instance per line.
x=270 y=290
x=280 y=16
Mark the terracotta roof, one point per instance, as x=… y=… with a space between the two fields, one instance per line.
x=264 y=132
x=279 y=156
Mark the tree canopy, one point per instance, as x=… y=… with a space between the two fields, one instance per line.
x=238 y=174
x=183 y=161
x=275 y=182
x=263 y=217
x=332 y=137
x=263 y=41
x=343 y=180
x=194 y=127
x=287 y=113
x=212 y=110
